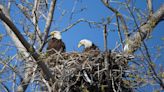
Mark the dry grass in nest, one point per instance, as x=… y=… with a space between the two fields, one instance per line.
x=86 y=72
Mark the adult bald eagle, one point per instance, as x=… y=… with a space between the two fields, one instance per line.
x=88 y=45
x=55 y=43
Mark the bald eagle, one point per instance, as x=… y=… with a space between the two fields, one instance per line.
x=88 y=45
x=55 y=43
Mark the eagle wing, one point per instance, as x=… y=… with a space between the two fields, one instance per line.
x=55 y=44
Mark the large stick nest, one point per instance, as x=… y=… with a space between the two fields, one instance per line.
x=87 y=72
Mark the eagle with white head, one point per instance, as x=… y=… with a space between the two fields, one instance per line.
x=88 y=45
x=55 y=43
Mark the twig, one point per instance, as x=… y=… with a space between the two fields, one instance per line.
x=135 y=40
x=105 y=38
x=35 y=19
x=72 y=25
x=47 y=84
x=79 y=21
x=157 y=79
x=73 y=9
x=118 y=14
x=105 y=47
x=27 y=46
x=119 y=32
x=32 y=21
x=48 y=23
x=113 y=86
x=4 y=87
x=150 y=7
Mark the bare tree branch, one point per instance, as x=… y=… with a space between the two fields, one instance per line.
x=26 y=45
x=155 y=76
x=107 y=71
x=48 y=23
x=18 y=44
x=105 y=47
x=35 y=19
x=79 y=21
x=105 y=38
x=150 y=7
x=4 y=88
x=119 y=32
x=134 y=42
x=70 y=26
x=15 y=30
x=118 y=14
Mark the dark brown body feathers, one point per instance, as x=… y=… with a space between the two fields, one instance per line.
x=92 y=48
x=55 y=44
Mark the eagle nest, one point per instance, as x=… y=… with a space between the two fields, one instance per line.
x=88 y=72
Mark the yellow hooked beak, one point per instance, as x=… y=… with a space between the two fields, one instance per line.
x=52 y=34
x=79 y=45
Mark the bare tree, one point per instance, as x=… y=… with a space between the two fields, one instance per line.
x=110 y=70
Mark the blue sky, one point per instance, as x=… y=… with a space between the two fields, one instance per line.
x=95 y=11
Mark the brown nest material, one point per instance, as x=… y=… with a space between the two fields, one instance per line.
x=86 y=72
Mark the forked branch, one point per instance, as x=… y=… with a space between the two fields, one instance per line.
x=28 y=47
x=135 y=41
